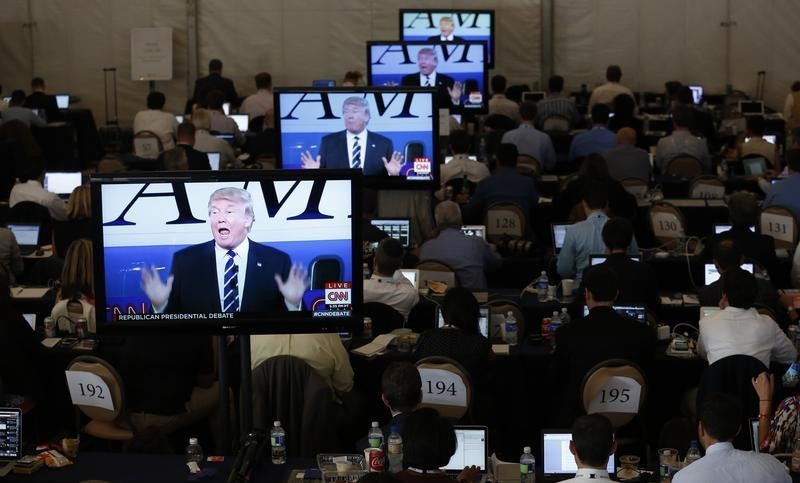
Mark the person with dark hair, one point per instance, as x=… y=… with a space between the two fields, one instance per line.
x=531 y=141
x=461 y=165
x=671 y=89
x=154 y=119
x=585 y=237
x=701 y=122
x=624 y=109
x=791 y=107
x=557 y=104
x=17 y=112
x=29 y=188
x=387 y=284
x=738 y=328
x=625 y=160
x=506 y=184
x=42 y=101
x=213 y=81
x=600 y=336
x=682 y=142
x=184 y=156
x=755 y=144
x=460 y=337
x=596 y=140
x=594 y=169
x=499 y=103
x=784 y=193
x=428 y=444
x=719 y=422
x=260 y=103
x=605 y=94
x=592 y=444
x=401 y=393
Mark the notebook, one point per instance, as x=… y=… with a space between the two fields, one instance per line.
x=10 y=434
x=242 y=121
x=412 y=276
x=557 y=462
x=474 y=230
x=62 y=184
x=472 y=445
x=635 y=312
x=399 y=229
x=27 y=235
x=213 y=160
x=712 y=275
x=559 y=232
x=483 y=323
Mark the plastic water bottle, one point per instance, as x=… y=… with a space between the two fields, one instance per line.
x=693 y=453
x=565 y=318
x=194 y=452
x=527 y=464
x=541 y=286
x=395 y=450
x=375 y=436
x=277 y=439
x=366 y=271
x=512 y=329
x=555 y=323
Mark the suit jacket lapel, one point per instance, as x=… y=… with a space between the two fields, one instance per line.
x=208 y=271
x=254 y=268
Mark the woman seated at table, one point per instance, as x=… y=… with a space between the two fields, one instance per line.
x=428 y=444
x=75 y=297
x=78 y=223
x=776 y=432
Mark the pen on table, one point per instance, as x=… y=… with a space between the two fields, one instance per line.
x=20 y=290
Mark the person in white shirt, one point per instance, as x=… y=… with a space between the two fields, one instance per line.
x=720 y=422
x=155 y=120
x=592 y=444
x=261 y=102
x=605 y=94
x=739 y=329
x=755 y=144
x=461 y=165
x=499 y=103
x=220 y=123
x=387 y=284
x=205 y=142
x=29 y=188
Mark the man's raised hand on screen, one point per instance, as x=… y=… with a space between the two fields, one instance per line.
x=393 y=164
x=294 y=286
x=308 y=161
x=455 y=92
x=157 y=291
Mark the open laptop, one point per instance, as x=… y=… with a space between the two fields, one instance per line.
x=635 y=312
x=754 y=166
x=412 y=275
x=751 y=108
x=697 y=94
x=213 y=160
x=62 y=184
x=62 y=101
x=399 y=229
x=723 y=227
x=447 y=159
x=558 y=463
x=712 y=275
x=559 y=232
x=11 y=435
x=472 y=448
x=598 y=259
x=533 y=96
x=483 y=322
x=474 y=230
x=242 y=121
x=31 y=320
x=27 y=235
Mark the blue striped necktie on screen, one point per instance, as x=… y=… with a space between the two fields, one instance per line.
x=427 y=81
x=356 y=153
x=230 y=300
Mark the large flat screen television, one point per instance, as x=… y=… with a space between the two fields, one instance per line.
x=240 y=251
x=457 y=70
x=433 y=25
x=390 y=134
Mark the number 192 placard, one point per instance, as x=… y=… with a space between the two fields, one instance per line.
x=87 y=389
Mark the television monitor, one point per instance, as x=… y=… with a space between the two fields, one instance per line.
x=711 y=274
x=426 y=25
x=62 y=101
x=440 y=66
x=697 y=94
x=169 y=232
x=401 y=123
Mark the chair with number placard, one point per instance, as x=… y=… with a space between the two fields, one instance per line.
x=147 y=144
x=437 y=271
x=667 y=223
x=446 y=386
x=779 y=223
x=684 y=165
x=635 y=186
x=505 y=220
x=111 y=424
x=707 y=187
x=528 y=166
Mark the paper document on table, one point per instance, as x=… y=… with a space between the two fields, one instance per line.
x=28 y=292
x=376 y=346
x=500 y=349
x=50 y=342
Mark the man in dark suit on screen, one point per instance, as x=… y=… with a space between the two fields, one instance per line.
x=356 y=147
x=446 y=29
x=448 y=89
x=230 y=273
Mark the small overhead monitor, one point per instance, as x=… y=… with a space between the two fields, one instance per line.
x=460 y=25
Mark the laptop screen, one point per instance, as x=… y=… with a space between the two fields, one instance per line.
x=697 y=93
x=635 y=312
x=27 y=234
x=474 y=230
x=471 y=448
x=559 y=233
x=712 y=275
x=62 y=100
x=213 y=160
x=754 y=433
x=722 y=227
x=31 y=320
x=179 y=118
x=226 y=108
x=598 y=259
x=62 y=183
x=412 y=276
x=10 y=434
x=483 y=322
x=323 y=83
x=556 y=457
x=447 y=159
x=242 y=121
x=400 y=230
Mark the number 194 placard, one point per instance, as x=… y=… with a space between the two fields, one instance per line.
x=87 y=389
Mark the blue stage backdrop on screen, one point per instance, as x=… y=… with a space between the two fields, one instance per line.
x=145 y=223
x=397 y=128
x=457 y=70
x=455 y=25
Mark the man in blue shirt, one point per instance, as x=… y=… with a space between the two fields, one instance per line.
x=784 y=193
x=595 y=140
x=531 y=141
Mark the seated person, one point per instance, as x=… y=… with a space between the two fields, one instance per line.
x=76 y=294
x=387 y=284
x=531 y=141
x=470 y=257
x=205 y=142
x=600 y=336
x=592 y=444
x=596 y=140
x=739 y=329
x=506 y=184
x=29 y=188
x=682 y=142
x=625 y=160
x=259 y=103
x=78 y=223
x=784 y=193
x=429 y=442
x=755 y=144
x=17 y=112
x=11 y=263
x=460 y=338
x=220 y=123
x=720 y=422
x=45 y=103
x=624 y=109
x=154 y=119
x=184 y=156
x=401 y=393
x=461 y=166
x=593 y=169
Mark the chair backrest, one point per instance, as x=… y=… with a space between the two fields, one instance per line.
x=684 y=165
x=147 y=145
x=98 y=367
x=446 y=386
x=635 y=186
x=615 y=388
x=498 y=310
x=384 y=318
x=555 y=123
x=707 y=187
x=528 y=165
x=437 y=271
x=32 y=212
x=779 y=223
x=667 y=222
x=503 y=220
